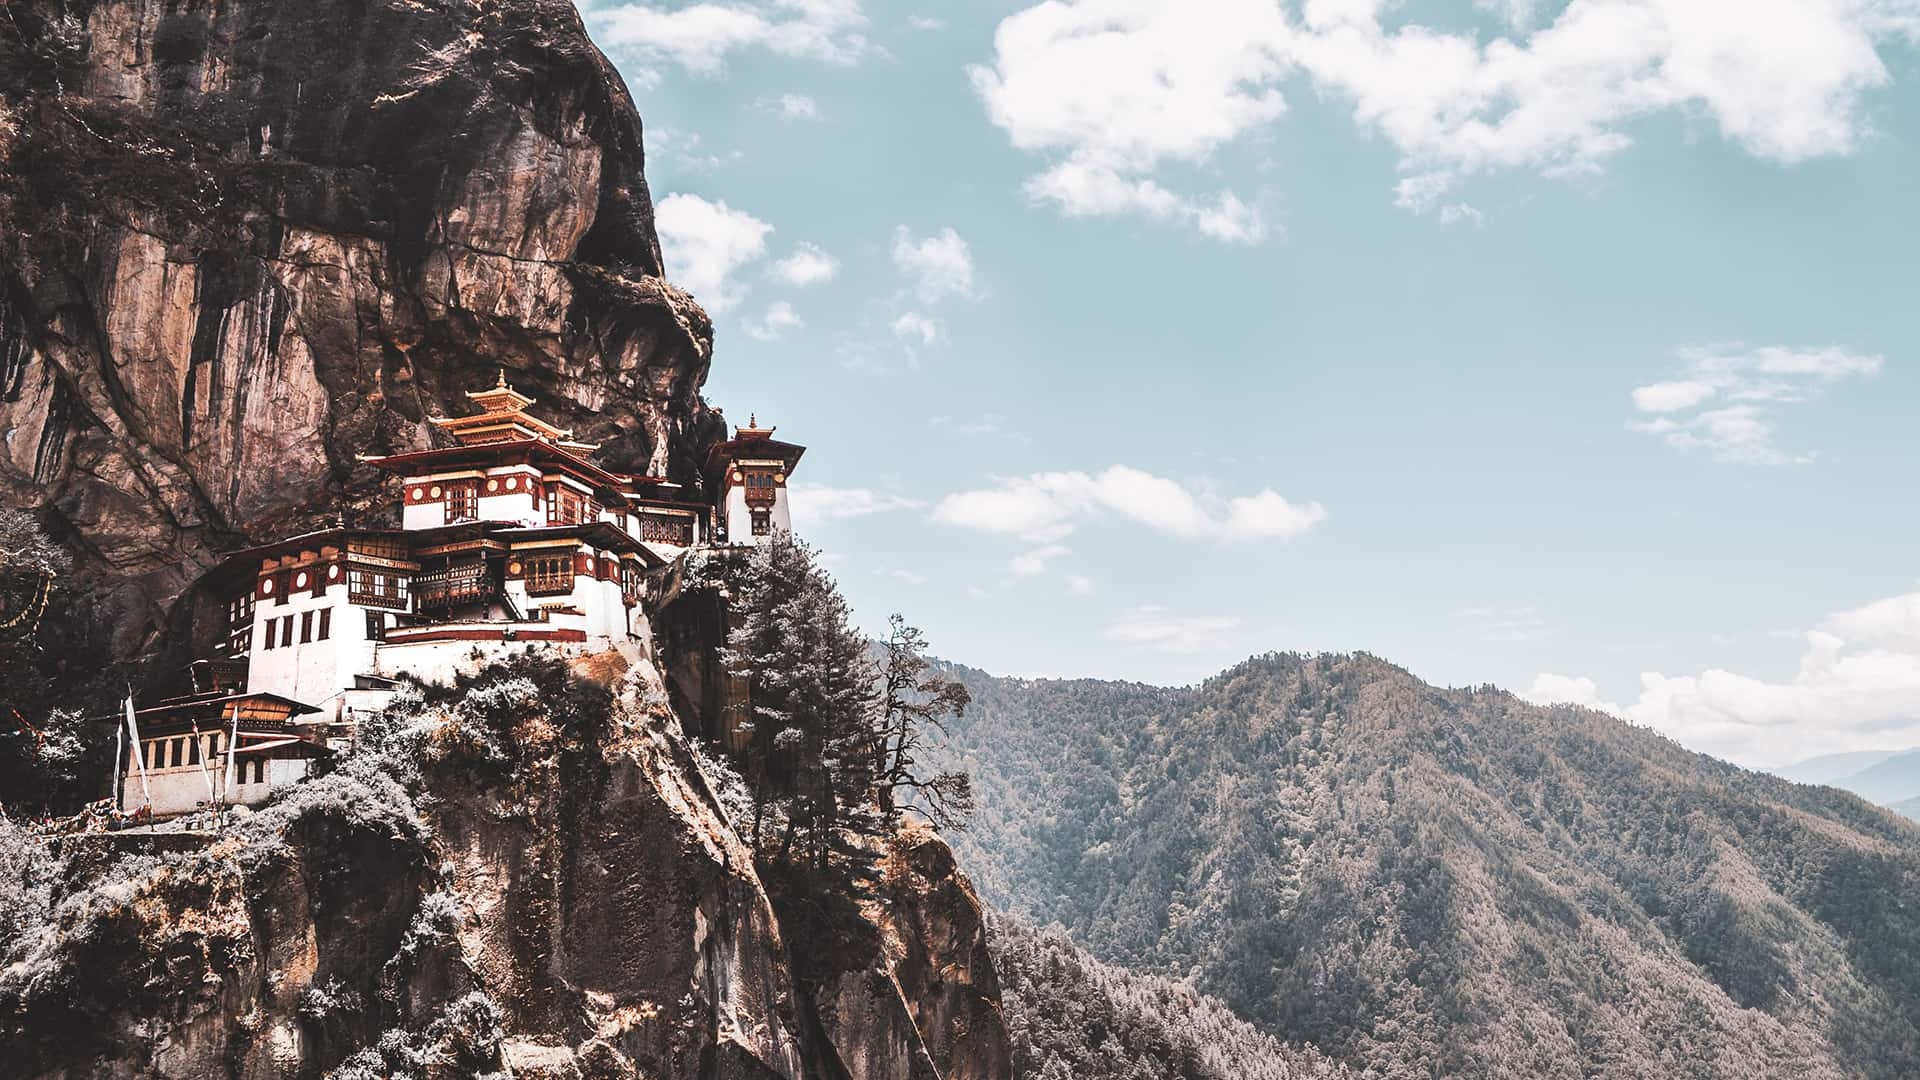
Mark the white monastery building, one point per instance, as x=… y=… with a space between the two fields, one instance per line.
x=510 y=537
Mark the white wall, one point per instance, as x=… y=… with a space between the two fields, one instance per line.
x=740 y=519
x=315 y=672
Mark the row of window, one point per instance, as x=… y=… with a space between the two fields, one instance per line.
x=280 y=631
x=185 y=750
x=548 y=575
x=180 y=750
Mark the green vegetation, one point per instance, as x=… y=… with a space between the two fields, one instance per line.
x=830 y=739
x=1426 y=881
x=44 y=755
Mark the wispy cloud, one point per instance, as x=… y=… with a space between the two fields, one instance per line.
x=1046 y=506
x=813 y=503
x=1029 y=563
x=1159 y=629
x=701 y=36
x=1726 y=399
x=984 y=426
x=939 y=265
x=772 y=326
x=794 y=106
x=807 y=265
x=1505 y=623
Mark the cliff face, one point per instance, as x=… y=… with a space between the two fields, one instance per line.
x=242 y=242
x=569 y=903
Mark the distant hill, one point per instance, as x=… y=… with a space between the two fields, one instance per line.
x=1829 y=768
x=1886 y=777
x=1908 y=807
x=1886 y=782
x=1425 y=881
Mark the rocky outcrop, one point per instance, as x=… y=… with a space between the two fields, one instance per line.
x=936 y=946
x=574 y=904
x=243 y=242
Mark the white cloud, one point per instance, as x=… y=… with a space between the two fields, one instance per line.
x=1857 y=686
x=925 y=22
x=1746 y=389
x=1551 y=689
x=1080 y=583
x=1454 y=213
x=1163 y=631
x=1029 y=563
x=1267 y=516
x=1114 y=91
x=687 y=150
x=1044 y=507
x=940 y=265
x=1118 y=88
x=797 y=107
x=779 y=319
x=907 y=576
x=916 y=329
x=814 y=503
x=808 y=265
x=705 y=243
x=700 y=36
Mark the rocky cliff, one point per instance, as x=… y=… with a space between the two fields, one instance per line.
x=242 y=242
x=527 y=877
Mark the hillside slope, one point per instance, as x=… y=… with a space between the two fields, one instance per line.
x=1452 y=882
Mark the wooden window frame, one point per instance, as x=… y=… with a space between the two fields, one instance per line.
x=548 y=575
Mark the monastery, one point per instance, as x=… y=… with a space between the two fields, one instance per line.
x=510 y=538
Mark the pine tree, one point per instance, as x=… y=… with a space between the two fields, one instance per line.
x=808 y=738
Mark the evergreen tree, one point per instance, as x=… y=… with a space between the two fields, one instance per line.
x=807 y=722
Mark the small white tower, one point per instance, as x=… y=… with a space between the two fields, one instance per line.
x=748 y=476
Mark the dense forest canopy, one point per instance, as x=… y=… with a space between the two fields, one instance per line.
x=1421 y=880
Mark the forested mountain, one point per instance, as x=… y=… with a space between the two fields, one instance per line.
x=1452 y=882
x=1072 y=1016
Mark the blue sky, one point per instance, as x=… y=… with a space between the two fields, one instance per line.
x=1566 y=347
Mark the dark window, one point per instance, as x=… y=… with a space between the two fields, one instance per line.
x=326 y=622
x=463 y=502
x=762 y=522
x=179 y=752
x=268 y=643
x=565 y=506
x=193 y=751
x=286 y=630
x=376 y=626
x=306 y=627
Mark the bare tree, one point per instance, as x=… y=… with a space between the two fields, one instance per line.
x=915 y=700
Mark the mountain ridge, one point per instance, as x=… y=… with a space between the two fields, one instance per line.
x=1410 y=877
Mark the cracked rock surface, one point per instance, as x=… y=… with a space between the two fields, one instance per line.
x=243 y=242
